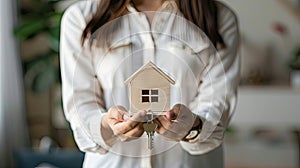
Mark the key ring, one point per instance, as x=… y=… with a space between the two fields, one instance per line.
x=152 y=116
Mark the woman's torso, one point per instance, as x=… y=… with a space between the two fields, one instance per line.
x=174 y=47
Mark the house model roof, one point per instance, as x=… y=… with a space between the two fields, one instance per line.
x=154 y=67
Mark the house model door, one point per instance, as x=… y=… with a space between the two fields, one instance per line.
x=149 y=90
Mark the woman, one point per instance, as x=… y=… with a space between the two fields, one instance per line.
x=103 y=42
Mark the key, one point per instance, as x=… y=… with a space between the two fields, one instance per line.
x=150 y=128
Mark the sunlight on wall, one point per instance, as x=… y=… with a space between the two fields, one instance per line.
x=13 y=130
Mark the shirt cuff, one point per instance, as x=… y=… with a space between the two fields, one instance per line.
x=95 y=129
x=199 y=148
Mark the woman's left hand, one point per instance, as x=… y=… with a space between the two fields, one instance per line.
x=177 y=122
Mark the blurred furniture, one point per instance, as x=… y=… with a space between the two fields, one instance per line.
x=261 y=149
x=297 y=134
x=28 y=158
x=266 y=119
x=268 y=106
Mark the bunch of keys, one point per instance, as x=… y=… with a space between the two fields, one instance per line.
x=150 y=128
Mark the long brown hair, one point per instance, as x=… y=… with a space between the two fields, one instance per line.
x=203 y=13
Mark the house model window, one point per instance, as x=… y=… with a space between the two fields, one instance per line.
x=149 y=95
x=149 y=89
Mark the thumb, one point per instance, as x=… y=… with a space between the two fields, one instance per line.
x=171 y=115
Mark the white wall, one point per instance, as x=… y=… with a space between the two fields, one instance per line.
x=257 y=16
x=262 y=48
x=268 y=107
x=13 y=130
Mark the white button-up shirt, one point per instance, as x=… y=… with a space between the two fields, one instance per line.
x=93 y=81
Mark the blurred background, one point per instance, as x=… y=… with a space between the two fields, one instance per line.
x=264 y=131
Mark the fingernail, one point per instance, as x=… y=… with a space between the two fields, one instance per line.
x=125 y=117
x=143 y=113
x=173 y=115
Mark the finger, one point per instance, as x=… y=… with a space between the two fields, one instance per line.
x=166 y=123
x=173 y=126
x=133 y=133
x=169 y=135
x=116 y=113
x=127 y=116
x=171 y=115
x=179 y=128
x=125 y=126
x=176 y=109
x=137 y=117
x=160 y=128
x=184 y=115
x=181 y=111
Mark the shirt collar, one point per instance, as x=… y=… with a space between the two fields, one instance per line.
x=167 y=6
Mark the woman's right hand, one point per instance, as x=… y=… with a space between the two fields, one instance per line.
x=116 y=123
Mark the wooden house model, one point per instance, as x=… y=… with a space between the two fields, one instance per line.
x=149 y=90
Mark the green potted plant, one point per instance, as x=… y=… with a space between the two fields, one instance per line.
x=295 y=69
x=295 y=62
x=42 y=71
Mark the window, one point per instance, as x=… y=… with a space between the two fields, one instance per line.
x=149 y=95
x=145 y=99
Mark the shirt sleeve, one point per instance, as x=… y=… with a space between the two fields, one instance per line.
x=217 y=94
x=81 y=91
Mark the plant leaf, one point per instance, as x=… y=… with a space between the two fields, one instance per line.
x=44 y=80
x=54 y=34
x=55 y=18
x=30 y=29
